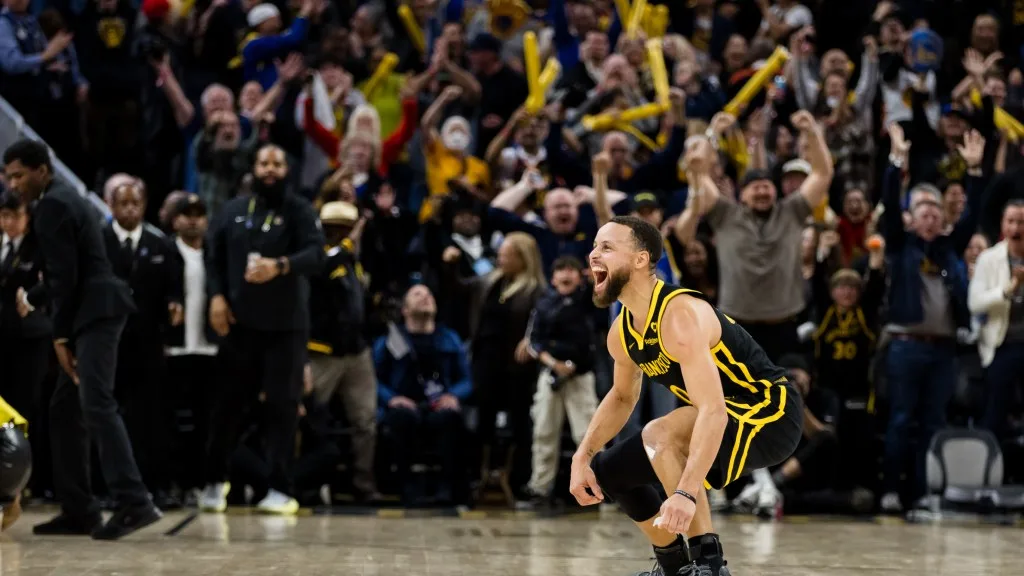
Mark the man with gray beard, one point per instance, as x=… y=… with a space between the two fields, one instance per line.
x=222 y=158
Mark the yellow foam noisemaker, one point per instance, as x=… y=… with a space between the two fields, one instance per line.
x=623 y=8
x=820 y=211
x=531 y=61
x=386 y=66
x=1006 y=123
x=640 y=136
x=659 y=73
x=656 y=21
x=507 y=16
x=412 y=27
x=547 y=77
x=607 y=121
x=549 y=74
x=756 y=82
x=636 y=16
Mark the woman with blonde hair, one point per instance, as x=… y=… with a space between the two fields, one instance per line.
x=500 y=304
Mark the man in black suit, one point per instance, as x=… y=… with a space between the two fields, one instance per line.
x=89 y=306
x=146 y=260
x=25 y=343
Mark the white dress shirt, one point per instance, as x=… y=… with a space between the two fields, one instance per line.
x=195 y=304
x=122 y=234
x=8 y=245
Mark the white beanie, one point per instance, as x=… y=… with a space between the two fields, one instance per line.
x=261 y=14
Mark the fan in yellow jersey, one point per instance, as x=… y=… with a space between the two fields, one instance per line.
x=740 y=415
x=15 y=463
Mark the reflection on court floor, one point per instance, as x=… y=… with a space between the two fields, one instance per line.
x=398 y=543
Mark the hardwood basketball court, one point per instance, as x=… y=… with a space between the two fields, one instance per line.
x=404 y=543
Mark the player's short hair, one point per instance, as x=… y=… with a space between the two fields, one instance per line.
x=647 y=237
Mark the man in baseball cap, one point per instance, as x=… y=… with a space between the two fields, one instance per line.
x=340 y=360
x=647 y=207
x=794 y=173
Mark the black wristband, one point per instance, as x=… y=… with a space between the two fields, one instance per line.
x=687 y=495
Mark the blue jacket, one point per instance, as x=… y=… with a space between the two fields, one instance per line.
x=258 y=54
x=397 y=376
x=905 y=252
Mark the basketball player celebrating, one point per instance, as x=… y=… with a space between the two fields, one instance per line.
x=740 y=415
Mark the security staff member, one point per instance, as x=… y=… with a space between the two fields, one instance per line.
x=340 y=358
x=89 y=307
x=145 y=259
x=259 y=254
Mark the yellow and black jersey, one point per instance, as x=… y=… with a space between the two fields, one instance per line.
x=750 y=381
x=765 y=417
x=843 y=347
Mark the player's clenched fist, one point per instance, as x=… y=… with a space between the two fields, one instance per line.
x=581 y=478
x=676 y=514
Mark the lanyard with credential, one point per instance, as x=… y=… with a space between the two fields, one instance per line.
x=250 y=225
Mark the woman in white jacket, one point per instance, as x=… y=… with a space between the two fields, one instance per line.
x=996 y=295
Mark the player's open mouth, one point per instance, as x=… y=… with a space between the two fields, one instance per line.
x=600 y=275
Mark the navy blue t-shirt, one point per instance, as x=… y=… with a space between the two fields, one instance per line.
x=551 y=245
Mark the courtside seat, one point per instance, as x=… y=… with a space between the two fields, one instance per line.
x=965 y=468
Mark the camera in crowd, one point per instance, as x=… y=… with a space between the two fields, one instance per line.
x=152 y=48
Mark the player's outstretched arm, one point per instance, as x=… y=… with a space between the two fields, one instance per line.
x=687 y=337
x=608 y=421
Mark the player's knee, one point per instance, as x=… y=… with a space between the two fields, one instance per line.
x=623 y=467
x=660 y=435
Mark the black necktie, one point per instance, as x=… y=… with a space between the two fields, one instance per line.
x=127 y=256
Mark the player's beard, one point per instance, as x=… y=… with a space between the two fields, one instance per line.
x=613 y=287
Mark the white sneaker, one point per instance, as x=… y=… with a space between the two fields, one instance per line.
x=718 y=500
x=890 y=503
x=215 y=497
x=747 y=500
x=277 y=503
x=769 y=501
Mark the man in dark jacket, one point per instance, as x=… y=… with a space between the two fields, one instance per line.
x=142 y=256
x=90 y=306
x=927 y=308
x=561 y=339
x=423 y=379
x=259 y=256
x=340 y=359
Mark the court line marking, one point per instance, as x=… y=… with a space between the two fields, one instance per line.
x=177 y=528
